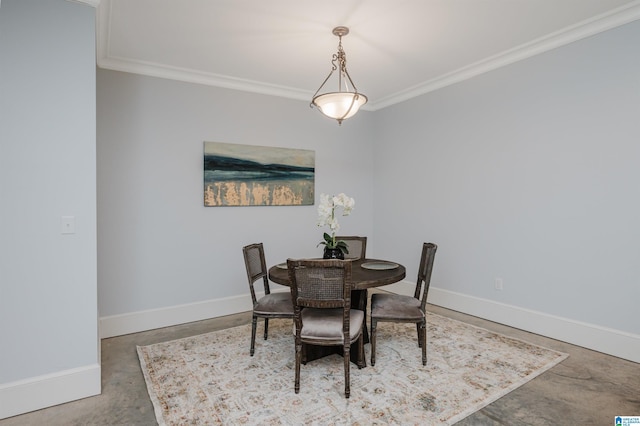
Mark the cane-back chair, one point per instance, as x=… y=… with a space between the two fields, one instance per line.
x=321 y=295
x=271 y=305
x=390 y=307
x=357 y=247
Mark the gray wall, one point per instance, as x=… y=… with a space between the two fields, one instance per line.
x=158 y=246
x=48 y=281
x=526 y=173
x=529 y=173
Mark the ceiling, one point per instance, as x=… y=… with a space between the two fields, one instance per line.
x=395 y=49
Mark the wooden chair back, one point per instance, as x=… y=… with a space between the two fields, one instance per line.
x=357 y=246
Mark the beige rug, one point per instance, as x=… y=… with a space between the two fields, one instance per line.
x=210 y=379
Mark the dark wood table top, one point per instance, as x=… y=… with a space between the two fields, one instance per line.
x=362 y=278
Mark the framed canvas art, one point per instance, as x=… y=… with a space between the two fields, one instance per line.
x=249 y=175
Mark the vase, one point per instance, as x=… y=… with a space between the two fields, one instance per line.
x=333 y=253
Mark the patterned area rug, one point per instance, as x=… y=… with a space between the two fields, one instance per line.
x=210 y=379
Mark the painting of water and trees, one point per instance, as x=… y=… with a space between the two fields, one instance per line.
x=249 y=175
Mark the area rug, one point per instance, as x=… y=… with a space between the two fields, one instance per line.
x=210 y=379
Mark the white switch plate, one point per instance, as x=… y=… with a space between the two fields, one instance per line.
x=68 y=225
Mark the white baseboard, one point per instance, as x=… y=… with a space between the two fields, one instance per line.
x=602 y=339
x=118 y=325
x=134 y=322
x=46 y=391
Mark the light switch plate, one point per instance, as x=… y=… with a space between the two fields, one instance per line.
x=68 y=225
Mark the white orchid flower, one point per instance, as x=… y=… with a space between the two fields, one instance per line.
x=327 y=216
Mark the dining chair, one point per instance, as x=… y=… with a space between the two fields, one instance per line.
x=321 y=295
x=357 y=247
x=271 y=305
x=388 y=307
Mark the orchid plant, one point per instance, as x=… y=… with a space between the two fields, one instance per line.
x=327 y=217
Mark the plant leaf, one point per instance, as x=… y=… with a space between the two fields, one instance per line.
x=342 y=245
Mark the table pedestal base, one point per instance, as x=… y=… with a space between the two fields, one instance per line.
x=314 y=352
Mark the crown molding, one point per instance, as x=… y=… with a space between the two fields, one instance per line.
x=198 y=77
x=92 y=3
x=181 y=74
x=614 y=18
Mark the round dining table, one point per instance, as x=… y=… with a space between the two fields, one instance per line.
x=365 y=274
x=375 y=273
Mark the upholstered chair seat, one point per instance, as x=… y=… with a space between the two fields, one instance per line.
x=274 y=304
x=325 y=325
x=390 y=307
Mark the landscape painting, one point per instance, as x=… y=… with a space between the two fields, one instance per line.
x=249 y=175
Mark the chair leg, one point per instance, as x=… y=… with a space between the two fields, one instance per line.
x=423 y=340
x=266 y=328
x=374 y=323
x=362 y=362
x=298 y=359
x=347 y=362
x=254 y=325
x=419 y=335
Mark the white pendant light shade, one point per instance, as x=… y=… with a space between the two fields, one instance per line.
x=339 y=105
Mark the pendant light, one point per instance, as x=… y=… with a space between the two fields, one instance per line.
x=346 y=101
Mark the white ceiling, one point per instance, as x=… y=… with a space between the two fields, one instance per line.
x=395 y=50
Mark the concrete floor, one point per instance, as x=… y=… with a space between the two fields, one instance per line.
x=588 y=388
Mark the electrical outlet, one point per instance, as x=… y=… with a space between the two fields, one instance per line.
x=499 y=285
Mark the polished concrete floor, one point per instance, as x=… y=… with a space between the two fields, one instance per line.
x=588 y=388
